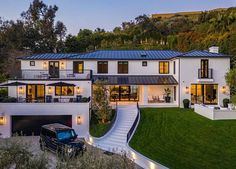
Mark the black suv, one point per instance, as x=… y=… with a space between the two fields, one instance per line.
x=60 y=139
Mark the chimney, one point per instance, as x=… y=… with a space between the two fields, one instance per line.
x=214 y=49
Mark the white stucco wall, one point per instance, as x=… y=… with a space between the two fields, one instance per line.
x=74 y=109
x=189 y=75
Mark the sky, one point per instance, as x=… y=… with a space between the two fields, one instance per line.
x=107 y=14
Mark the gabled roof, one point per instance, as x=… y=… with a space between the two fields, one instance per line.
x=128 y=55
x=202 y=53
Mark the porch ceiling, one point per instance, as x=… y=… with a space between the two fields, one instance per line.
x=137 y=79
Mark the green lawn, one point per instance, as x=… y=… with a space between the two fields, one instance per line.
x=180 y=139
x=99 y=130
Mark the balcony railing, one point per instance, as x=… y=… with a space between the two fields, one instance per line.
x=44 y=74
x=205 y=74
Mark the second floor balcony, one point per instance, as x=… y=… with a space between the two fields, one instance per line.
x=58 y=74
x=205 y=74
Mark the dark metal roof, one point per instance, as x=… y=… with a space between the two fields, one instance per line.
x=48 y=56
x=137 y=79
x=128 y=55
x=200 y=53
x=123 y=55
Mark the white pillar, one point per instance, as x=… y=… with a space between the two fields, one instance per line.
x=145 y=94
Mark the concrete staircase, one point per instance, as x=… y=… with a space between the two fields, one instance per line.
x=115 y=140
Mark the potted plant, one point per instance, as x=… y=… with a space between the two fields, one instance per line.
x=186 y=103
x=226 y=101
x=167 y=95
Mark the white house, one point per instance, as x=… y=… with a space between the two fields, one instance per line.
x=58 y=87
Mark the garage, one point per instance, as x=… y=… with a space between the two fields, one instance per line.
x=31 y=125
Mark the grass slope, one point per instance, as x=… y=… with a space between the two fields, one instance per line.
x=180 y=139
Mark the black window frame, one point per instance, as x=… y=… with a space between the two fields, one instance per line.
x=32 y=63
x=104 y=67
x=75 y=66
x=164 y=72
x=122 y=69
x=144 y=63
x=174 y=67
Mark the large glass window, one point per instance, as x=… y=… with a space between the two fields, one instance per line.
x=78 y=67
x=123 y=67
x=204 y=93
x=124 y=93
x=64 y=91
x=102 y=66
x=164 y=67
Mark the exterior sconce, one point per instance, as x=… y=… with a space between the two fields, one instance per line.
x=62 y=65
x=21 y=90
x=2 y=119
x=49 y=90
x=79 y=120
x=187 y=90
x=78 y=90
x=45 y=65
x=223 y=89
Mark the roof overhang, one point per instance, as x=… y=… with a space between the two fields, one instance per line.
x=137 y=79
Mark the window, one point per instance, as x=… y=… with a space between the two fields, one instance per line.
x=204 y=68
x=64 y=91
x=174 y=68
x=32 y=63
x=102 y=67
x=204 y=94
x=123 y=67
x=144 y=63
x=174 y=93
x=164 y=67
x=78 y=67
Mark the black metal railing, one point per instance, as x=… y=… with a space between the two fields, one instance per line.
x=44 y=74
x=205 y=74
x=131 y=131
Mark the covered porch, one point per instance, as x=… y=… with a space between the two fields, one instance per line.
x=148 y=91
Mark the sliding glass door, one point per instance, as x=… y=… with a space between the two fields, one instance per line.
x=204 y=93
x=35 y=93
x=124 y=93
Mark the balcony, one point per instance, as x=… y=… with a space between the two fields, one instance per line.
x=205 y=75
x=45 y=74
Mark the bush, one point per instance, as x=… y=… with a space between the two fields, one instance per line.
x=233 y=99
x=226 y=101
x=15 y=154
x=3 y=92
x=186 y=103
x=8 y=100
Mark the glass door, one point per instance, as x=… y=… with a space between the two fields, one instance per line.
x=54 y=69
x=35 y=93
x=124 y=93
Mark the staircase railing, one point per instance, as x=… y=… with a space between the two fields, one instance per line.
x=132 y=129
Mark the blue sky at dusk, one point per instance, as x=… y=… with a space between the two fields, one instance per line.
x=79 y=14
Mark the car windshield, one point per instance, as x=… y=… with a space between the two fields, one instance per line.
x=66 y=135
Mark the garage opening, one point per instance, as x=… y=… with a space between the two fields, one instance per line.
x=31 y=125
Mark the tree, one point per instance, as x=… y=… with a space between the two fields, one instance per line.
x=100 y=105
x=230 y=78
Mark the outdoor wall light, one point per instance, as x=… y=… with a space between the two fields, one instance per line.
x=49 y=90
x=223 y=89
x=79 y=120
x=62 y=65
x=44 y=65
x=78 y=90
x=187 y=90
x=2 y=119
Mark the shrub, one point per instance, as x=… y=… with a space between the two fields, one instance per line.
x=226 y=101
x=233 y=99
x=15 y=154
